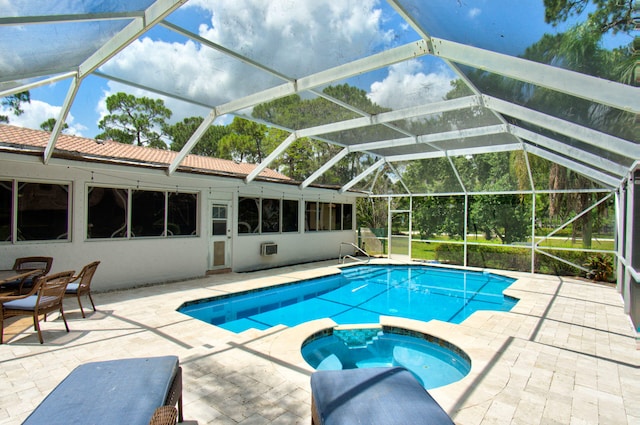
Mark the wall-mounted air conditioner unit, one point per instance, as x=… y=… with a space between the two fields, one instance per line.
x=268 y=248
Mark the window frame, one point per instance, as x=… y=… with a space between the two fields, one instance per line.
x=252 y=229
x=283 y=227
x=293 y=227
x=14 y=210
x=128 y=234
x=330 y=209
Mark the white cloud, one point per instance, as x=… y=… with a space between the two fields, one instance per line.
x=473 y=12
x=407 y=85
x=308 y=36
x=36 y=112
x=282 y=34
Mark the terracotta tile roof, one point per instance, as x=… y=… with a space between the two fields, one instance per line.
x=26 y=140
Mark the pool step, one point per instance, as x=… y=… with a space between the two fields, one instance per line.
x=362 y=273
x=358 y=337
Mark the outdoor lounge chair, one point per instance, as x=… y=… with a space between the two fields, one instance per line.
x=29 y=263
x=121 y=391
x=81 y=284
x=45 y=296
x=372 y=396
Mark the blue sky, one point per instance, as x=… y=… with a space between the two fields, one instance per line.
x=288 y=34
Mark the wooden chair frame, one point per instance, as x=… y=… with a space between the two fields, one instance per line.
x=32 y=263
x=83 y=280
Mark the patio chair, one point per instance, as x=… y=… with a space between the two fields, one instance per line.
x=81 y=285
x=29 y=263
x=45 y=296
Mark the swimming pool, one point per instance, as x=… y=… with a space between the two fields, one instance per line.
x=432 y=361
x=360 y=294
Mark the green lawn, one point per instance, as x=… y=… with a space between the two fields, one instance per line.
x=426 y=250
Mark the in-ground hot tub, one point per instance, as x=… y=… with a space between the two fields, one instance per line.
x=433 y=361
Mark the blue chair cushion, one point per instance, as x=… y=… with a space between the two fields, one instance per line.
x=373 y=396
x=125 y=391
x=27 y=303
x=72 y=288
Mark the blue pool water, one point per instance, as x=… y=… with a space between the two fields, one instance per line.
x=433 y=362
x=360 y=294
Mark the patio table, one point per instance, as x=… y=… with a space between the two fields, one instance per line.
x=11 y=275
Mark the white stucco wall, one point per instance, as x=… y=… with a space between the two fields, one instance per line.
x=141 y=261
x=292 y=249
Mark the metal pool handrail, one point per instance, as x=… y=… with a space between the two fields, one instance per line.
x=341 y=258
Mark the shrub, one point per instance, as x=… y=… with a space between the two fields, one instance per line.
x=600 y=267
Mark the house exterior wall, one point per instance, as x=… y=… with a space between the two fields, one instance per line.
x=133 y=262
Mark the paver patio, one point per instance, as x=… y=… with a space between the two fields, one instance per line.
x=566 y=354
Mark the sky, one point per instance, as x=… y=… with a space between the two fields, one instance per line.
x=296 y=37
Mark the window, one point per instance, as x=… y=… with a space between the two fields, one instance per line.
x=40 y=210
x=289 y=215
x=347 y=216
x=219 y=220
x=6 y=195
x=107 y=215
x=182 y=213
x=248 y=215
x=328 y=216
x=311 y=216
x=267 y=215
x=324 y=219
x=43 y=211
x=270 y=216
x=336 y=216
x=147 y=213
x=107 y=212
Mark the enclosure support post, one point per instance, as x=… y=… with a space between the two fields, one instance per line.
x=466 y=227
x=533 y=232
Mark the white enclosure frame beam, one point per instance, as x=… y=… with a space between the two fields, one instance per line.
x=271 y=157
x=195 y=137
x=62 y=117
x=588 y=172
x=223 y=50
x=320 y=171
x=385 y=117
x=595 y=138
x=569 y=151
x=341 y=72
x=395 y=171
x=152 y=15
x=362 y=175
x=457 y=152
x=36 y=84
x=601 y=91
x=78 y=17
x=432 y=138
x=150 y=89
x=575 y=218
